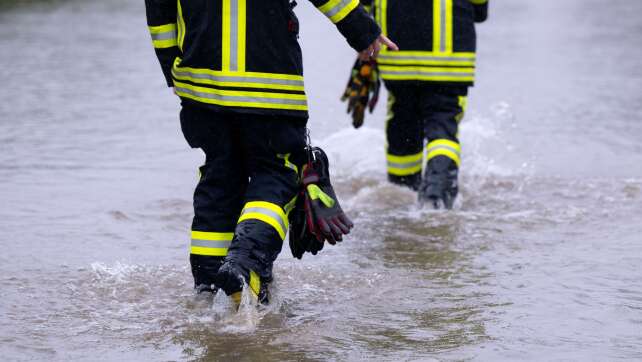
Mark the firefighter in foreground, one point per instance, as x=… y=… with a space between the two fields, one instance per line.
x=428 y=82
x=236 y=66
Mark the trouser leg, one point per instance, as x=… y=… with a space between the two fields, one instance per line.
x=274 y=152
x=404 y=134
x=443 y=109
x=218 y=197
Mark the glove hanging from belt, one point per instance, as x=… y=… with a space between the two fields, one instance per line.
x=362 y=90
x=317 y=216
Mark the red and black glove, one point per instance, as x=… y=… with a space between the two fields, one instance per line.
x=317 y=217
x=362 y=90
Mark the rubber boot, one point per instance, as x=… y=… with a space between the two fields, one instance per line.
x=413 y=182
x=439 y=186
x=232 y=277
x=204 y=269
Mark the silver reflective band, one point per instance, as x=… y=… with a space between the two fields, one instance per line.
x=220 y=97
x=404 y=165
x=234 y=28
x=383 y=58
x=337 y=8
x=211 y=244
x=237 y=79
x=431 y=74
x=168 y=35
x=443 y=147
x=266 y=212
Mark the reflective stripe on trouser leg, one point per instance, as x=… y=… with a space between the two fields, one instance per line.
x=267 y=212
x=210 y=243
x=444 y=147
x=404 y=165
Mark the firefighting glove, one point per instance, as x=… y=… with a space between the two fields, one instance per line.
x=362 y=90
x=301 y=239
x=324 y=217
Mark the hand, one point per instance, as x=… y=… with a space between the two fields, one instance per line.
x=373 y=50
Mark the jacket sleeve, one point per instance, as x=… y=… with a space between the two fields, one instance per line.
x=353 y=22
x=481 y=10
x=161 y=20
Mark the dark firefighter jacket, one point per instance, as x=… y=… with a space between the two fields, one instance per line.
x=436 y=39
x=243 y=55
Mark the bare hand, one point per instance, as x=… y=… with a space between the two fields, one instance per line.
x=373 y=50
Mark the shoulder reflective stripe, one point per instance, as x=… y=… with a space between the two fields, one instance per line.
x=337 y=10
x=404 y=165
x=164 y=36
x=267 y=212
x=446 y=148
x=242 y=98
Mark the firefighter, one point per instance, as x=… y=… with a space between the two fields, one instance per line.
x=236 y=66
x=427 y=81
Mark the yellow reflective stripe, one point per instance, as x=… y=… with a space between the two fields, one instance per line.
x=405 y=159
x=404 y=165
x=288 y=164
x=435 y=60
x=242 y=26
x=456 y=74
x=198 y=250
x=381 y=14
x=436 y=25
x=290 y=206
x=267 y=212
x=181 y=25
x=463 y=102
x=444 y=147
x=337 y=10
x=478 y=2
x=255 y=283
x=242 y=98
x=160 y=29
x=448 y=26
x=163 y=36
x=238 y=79
x=204 y=235
x=210 y=243
x=443 y=152
x=227 y=14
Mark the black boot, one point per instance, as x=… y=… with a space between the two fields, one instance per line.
x=439 y=186
x=204 y=269
x=411 y=181
x=231 y=277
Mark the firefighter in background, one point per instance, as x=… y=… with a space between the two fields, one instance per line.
x=236 y=66
x=427 y=80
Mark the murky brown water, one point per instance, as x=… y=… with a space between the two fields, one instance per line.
x=541 y=260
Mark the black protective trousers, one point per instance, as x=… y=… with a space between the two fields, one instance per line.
x=422 y=124
x=247 y=186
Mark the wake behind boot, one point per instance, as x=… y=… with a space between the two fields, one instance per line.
x=439 y=186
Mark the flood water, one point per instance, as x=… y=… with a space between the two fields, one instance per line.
x=540 y=260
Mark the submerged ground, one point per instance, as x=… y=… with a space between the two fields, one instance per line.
x=540 y=260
